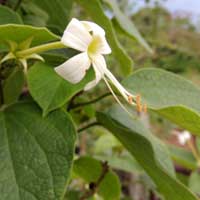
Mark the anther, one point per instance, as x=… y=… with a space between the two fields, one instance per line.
x=138 y=103
x=130 y=99
x=145 y=108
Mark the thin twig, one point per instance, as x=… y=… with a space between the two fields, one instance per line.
x=88 y=126
x=89 y=102
x=93 y=186
x=71 y=103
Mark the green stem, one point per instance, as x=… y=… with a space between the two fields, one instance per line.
x=40 y=48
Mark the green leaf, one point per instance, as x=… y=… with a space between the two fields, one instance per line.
x=147 y=150
x=8 y=16
x=127 y=25
x=169 y=95
x=49 y=90
x=95 y=10
x=34 y=15
x=36 y=153
x=90 y=170
x=58 y=11
x=12 y=87
x=72 y=195
x=183 y=157
x=20 y=33
x=194 y=182
x=122 y=162
x=105 y=142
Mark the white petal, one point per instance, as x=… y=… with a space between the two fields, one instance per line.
x=99 y=63
x=103 y=46
x=99 y=66
x=74 y=69
x=95 y=28
x=76 y=36
x=93 y=83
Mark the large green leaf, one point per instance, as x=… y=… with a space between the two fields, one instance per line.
x=49 y=90
x=58 y=11
x=9 y=16
x=95 y=9
x=36 y=153
x=12 y=86
x=168 y=94
x=90 y=170
x=146 y=149
x=20 y=33
x=127 y=25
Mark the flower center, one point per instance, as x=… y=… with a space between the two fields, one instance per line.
x=94 y=45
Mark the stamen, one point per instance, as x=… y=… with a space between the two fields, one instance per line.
x=130 y=99
x=116 y=98
x=145 y=108
x=138 y=104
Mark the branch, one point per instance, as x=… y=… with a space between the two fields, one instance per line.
x=88 y=126
x=94 y=186
x=89 y=102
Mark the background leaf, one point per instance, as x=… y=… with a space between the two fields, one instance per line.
x=58 y=11
x=8 y=16
x=127 y=25
x=169 y=95
x=33 y=15
x=35 y=157
x=194 y=182
x=183 y=157
x=90 y=170
x=136 y=139
x=95 y=10
x=49 y=90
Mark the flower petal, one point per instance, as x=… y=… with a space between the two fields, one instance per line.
x=93 y=83
x=76 y=36
x=74 y=69
x=95 y=28
x=99 y=66
x=103 y=46
x=99 y=63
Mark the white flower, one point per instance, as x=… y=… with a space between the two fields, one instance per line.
x=183 y=137
x=89 y=38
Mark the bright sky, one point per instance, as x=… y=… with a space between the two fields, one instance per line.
x=189 y=6
x=192 y=6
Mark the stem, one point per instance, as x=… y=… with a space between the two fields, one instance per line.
x=40 y=48
x=94 y=185
x=90 y=102
x=88 y=126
